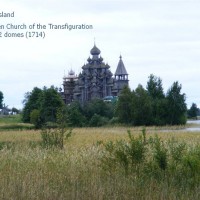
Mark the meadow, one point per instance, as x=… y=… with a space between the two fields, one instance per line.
x=101 y=163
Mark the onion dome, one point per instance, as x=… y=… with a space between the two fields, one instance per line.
x=89 y=59
x=95 y=51
x=100 y=59
x=71 y=73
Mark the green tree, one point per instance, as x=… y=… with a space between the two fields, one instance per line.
x=32 y=101
x=155 y=91
x=176 y=106
x=51 y=101
x=75 y=116
x=99 y=107
x=154 y=87
x=193 y=111
x=142 y=107
x=124 y=109
x=15 y=110
x=1 y=99
x=46 y=101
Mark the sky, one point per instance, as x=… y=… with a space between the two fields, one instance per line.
x=160 y=37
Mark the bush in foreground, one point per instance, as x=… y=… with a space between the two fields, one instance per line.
x=171 y=162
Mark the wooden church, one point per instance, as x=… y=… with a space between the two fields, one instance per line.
x=95 y=81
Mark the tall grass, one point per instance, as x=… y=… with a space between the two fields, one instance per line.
x=80 y=171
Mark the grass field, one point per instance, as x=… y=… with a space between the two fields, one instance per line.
x=84 y=169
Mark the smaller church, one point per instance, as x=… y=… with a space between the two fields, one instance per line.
x=95 y=81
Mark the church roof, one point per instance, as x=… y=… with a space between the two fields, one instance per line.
x=121 y=70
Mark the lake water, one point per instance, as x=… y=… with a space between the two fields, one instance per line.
x=195 y=127
x=193 y=122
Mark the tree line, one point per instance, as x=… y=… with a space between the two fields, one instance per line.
x=142 y=106
x=151 y=106
x=41 y=107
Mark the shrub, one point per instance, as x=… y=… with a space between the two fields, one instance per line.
x=191 y=163
x=137 y=148
x=98 y=120
x=54 y=137
x=129 y=154
x=160 y=153
x=176 y=150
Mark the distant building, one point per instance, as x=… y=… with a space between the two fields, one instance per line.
x=95 y=80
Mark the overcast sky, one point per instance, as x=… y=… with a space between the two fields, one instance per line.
x=160 y=37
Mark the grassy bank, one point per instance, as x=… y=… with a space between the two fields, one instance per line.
x=10 y=119
x=13 y=122
x=88 y=169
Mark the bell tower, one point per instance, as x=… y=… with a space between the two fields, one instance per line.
x=121 y=76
